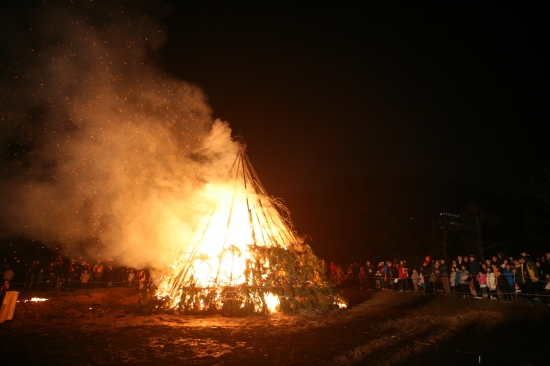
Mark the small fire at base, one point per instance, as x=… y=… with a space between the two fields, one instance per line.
x=37 y=299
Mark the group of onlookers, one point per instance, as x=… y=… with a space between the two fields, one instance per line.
x=501 y=277
x=70 y=274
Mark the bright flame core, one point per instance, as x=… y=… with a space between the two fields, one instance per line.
x=219 y=255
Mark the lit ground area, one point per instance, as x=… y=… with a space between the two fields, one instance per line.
x=106 y=327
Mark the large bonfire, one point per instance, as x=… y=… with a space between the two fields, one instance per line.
x=245 y=256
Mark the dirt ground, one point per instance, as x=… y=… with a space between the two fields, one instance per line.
x=106 y=326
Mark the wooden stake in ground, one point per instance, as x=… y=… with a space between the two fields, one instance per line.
x=8 y=306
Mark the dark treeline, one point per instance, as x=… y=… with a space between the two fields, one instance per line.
x=386 y=213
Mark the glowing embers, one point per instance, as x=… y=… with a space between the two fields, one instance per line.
x=37 y=299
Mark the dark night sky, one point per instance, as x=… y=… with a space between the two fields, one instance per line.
x=334 y=93
x=329 y=90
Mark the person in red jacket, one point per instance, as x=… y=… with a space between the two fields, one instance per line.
x=403 y=275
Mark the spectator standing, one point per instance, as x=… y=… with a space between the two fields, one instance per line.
x=502 y=287
x=74 y=277
x=378 y=276
x=362 y=278
x=415 y=277
x=510 y=275
x=532 y=277
x=31 y=275
x=371 y=283
x=40 y=278
x=8 y=274
x=132 y=275
x=521 y=277
x=474 y=271
x=384 y=282
x=368 y=266
x=426 y=272
x=482 y=280
x=500 y=260
x=51 y=270
x=421 y=282
x=491 y=283
x=445 y=276
x=464 y=280
x=504 y=262
x=84 y=278
x=108 y=276
x=403 y=275
x=459 y=262
x=349 y=274
x=392 y=276
x=98 y=274
x=466 y=261
x=341 y=276
x=58 y=268
x=452 y=279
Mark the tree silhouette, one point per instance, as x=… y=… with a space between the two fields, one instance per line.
x=475 y=225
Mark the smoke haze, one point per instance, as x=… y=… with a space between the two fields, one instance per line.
x=100 y=149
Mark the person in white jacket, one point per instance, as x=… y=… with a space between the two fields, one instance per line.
x=491 y=283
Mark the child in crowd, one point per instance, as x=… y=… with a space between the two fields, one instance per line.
x=482 y=280
x=421 y=282
x=464 y=281
x=452 y=279
x=415 y=279
x=491 y=283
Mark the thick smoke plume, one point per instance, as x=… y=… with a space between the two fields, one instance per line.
x=101 y=151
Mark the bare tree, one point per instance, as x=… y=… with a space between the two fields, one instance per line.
x=476 y=223
x=540 y=209
x=448 y=225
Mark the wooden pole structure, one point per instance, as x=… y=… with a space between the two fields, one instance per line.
x=8 y=306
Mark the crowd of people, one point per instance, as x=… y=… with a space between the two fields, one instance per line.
x=70 y=274
x=502 y=277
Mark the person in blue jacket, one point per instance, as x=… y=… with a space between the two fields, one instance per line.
x=508 y=272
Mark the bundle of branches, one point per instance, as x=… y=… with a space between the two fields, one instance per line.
x=295 y=280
